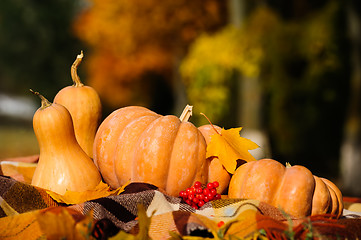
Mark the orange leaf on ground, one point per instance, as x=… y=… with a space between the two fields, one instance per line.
x=70 y=197
x=229 y=147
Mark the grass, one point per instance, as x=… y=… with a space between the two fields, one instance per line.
x=17 y=141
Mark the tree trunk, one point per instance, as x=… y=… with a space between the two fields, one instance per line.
x=351 y=146
x=179 y=91
x=249 y=103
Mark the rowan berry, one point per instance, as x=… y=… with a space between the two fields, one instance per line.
x=196 y=196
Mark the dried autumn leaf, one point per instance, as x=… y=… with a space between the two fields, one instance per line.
x=20 y=171
x=229 y=147
x=58 y=223
x=70 y=197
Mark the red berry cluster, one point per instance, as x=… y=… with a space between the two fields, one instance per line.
x=197 y=196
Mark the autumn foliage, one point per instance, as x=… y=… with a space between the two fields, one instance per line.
x=131 y=39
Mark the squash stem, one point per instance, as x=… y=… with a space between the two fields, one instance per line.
x=74 y=71
x=186 y=114
x=44 y=102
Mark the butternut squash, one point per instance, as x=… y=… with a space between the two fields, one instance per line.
x=85 y=108
x=63 y=165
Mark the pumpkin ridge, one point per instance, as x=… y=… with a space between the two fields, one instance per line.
x=188 y=159
x=333 y=206
x=279 y=185
x=276 y=200
x=290 y=187
x=126 y=148
x=106 y=140
x=171 y=154
x=320 y=205
x=204 y=164
x=162 y=135
x=197 y=151
x=338 y=195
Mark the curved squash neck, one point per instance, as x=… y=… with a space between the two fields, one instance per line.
x=54 y=129
x=50 y=142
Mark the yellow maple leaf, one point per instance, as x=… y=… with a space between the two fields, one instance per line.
x=71 y=197
x=229 y=147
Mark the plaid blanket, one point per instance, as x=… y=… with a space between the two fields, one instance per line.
x=28 y=212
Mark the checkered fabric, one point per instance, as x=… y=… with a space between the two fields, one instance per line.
x=26 y=211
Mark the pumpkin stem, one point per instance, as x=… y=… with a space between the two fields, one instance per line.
x=44 y=102
x=74 y=69
x=186 y=114
x=211 y=123
x=288 y=165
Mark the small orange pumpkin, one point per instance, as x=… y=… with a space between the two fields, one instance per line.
x=134 y=143
x=216 y=171
x=293 y=189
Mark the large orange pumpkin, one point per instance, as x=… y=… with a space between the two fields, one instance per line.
x=134 y=143
x=294 y=189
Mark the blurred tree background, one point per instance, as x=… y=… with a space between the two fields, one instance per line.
x=286 y=71
x=37 y=45
x=300 y=63
x=136 y=47
x=37 y=48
